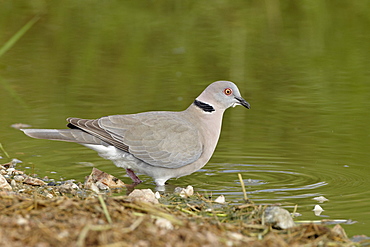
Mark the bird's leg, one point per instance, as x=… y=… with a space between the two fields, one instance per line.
x=133 y=176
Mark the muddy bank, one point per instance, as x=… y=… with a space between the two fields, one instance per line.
x=70 y=215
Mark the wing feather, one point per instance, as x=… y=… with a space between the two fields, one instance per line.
x=163 y=139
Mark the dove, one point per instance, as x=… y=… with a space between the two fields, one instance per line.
x=159 y=144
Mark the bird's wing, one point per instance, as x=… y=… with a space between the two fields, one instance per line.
x=91 y=127
x=162 y=139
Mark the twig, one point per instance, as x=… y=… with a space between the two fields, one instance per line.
x=295 y=210
x=85 y=231
x=152 y=210
x=105 y=210
x=243 y=187
x=87 y=228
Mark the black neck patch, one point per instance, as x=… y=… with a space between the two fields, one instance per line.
x=204 y=106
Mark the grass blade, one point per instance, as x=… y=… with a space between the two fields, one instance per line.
x=2 y=149
x=243 y=187
x=105 y=209
x=10 y=43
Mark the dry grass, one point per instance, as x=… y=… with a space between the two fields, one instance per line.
x=35 y=220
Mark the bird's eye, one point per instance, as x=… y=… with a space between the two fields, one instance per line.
x=228 y=91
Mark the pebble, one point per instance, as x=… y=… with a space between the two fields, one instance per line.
x=189 y=191
x=49 y=195
x=99 y=180
x=13 y=183
x=68 y=187
x=164 y=224
x=21 y=221
x=10 y=171
x=146 y=195
x=34 y=181
x=278 y=217
x=220 y=199
x=19 y=178
x=4 y=185
x=101 y=186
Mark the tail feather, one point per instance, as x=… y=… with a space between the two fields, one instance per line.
x=68 y=135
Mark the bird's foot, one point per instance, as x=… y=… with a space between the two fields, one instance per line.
x=160 y=182
x=136 y=180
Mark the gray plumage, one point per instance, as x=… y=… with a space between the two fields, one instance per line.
x=160 y=144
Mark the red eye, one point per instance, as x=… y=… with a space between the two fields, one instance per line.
x=228 y=91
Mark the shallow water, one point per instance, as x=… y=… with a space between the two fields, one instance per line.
x=303 y=68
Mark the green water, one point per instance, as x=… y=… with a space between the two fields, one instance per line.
x=302 y=65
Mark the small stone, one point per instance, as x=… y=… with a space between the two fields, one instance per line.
x=68 y=187
x=7 y=165
x=101 y=180
x=4 y=185
x=10 y=171
x=338 y=229
x=278 y=217
x=177 y=190
x=143 y=195
x=13 y=183
x=236 y=236
x=102 y=186
x=63 y=234
x=164 y=224
x=21 y=221
x=93 y=187
x=19 y=178
x=48 y=195
x=75 y=186
x=189 y=191
x=34 y=181
x=72 y=184
x=220 y=199
x=17 y=172
x=157 y=195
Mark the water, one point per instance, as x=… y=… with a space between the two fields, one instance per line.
x=304 y=68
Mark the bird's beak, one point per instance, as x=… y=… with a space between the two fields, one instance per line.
x=243 y=102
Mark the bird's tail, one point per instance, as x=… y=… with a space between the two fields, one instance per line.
x=68 y=135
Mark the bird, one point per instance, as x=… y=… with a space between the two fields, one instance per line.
x=159 y=144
